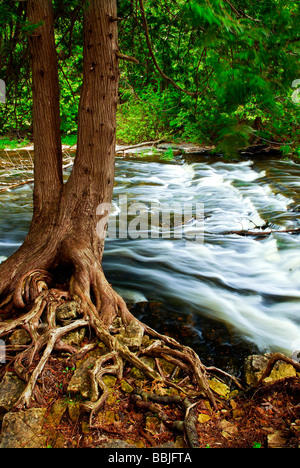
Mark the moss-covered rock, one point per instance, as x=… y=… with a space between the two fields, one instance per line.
x=109 y=380
x=220 y=388
x=256 y=364
x=126 y=387
x=11 y=388
x=24 y=429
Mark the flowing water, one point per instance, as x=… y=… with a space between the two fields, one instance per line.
x=227 y=294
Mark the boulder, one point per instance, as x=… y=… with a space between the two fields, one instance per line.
x=255 y=365
x=80 y=383
x=34 y=428
x=67 y=311
x=220 y=388
x=19 y=337
x=24 y=429
x=132 y=335
x=11 y=388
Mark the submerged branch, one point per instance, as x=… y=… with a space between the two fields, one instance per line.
x=265 y=233
x=19 y=184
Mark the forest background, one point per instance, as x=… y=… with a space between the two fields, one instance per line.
x=210 y=72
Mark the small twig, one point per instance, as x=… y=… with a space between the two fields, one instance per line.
x=127 y=58
x=234 y=379
x=29 y=181
x=160 y=371
x=262 y=233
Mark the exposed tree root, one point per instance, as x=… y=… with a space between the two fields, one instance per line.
x=105 y=314
x=271 y=363
x=143 y=400
x=96 y=375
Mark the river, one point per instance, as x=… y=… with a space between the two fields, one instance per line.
x=224 y=294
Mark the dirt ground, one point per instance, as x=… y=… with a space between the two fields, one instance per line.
x=265 y=417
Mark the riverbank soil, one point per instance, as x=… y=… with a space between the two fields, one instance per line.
x=139 y=413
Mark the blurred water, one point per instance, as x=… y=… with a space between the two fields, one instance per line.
x=249 y=287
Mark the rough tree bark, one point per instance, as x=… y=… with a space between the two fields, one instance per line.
x=60 y=259
x=48 y=155
x=63 y=229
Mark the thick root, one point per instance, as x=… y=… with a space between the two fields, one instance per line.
x=149 y=402
x=96 y=402
x=271 y=363
x=27 y=289
x=105 y=315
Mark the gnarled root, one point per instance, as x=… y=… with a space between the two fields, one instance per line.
x=150 y=401
x=271 y=363
x=105 y=314
x=96 y=402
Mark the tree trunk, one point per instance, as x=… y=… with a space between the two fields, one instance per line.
x=91 y=183
x=46 y=113
x=89 y=189
x=37 y=249
x=63 y=233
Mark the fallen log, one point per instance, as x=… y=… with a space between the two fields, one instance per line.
x=139 y=145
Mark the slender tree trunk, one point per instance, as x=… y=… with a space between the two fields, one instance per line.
x=46 y=112
x=37 y=249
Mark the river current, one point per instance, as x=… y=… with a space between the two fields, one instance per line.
x=224 y=292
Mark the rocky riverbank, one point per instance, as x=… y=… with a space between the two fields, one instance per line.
x=248 y=417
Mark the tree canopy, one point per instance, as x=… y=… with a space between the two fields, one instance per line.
x=215 y=72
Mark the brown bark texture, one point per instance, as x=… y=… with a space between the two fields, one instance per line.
x=63 y=229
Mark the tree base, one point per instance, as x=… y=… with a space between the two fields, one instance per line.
x=104 y=314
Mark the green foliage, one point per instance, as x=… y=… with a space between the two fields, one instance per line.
x=257 y=445
x=69 y=139
x=141 y=118
x=168 y=155
x=6 y=143
x=239 y=57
